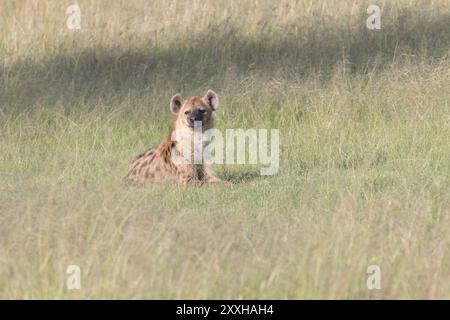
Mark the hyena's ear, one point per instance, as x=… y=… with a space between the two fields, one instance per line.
x=175 y=103
x=212 y=99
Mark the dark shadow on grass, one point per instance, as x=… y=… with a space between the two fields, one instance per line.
x=83 y=77
x=241 y=177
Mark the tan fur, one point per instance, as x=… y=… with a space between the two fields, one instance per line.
x=156 y=165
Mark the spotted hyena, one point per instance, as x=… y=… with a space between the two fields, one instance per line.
x=160 y=164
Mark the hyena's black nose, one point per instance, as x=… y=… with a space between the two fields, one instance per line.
x=196 y=119
x=196 y=116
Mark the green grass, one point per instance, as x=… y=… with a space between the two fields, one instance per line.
x=364 y=178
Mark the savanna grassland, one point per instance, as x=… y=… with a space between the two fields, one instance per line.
x=364 y=178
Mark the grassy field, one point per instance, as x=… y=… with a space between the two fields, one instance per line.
x=364 y=119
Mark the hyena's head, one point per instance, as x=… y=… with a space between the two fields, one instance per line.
x=195 y=109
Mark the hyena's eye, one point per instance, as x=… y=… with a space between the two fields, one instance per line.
x=202 y=110
x=187 y=112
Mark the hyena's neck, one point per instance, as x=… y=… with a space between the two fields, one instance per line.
x=188 y=144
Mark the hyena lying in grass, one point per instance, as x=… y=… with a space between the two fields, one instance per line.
x=158 y=165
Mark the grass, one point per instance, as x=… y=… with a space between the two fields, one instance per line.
x=364 y=119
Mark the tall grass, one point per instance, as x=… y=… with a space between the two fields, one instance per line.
x=364 y=175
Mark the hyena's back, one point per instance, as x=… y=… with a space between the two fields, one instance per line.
x=140 y=167
x=153 y=165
